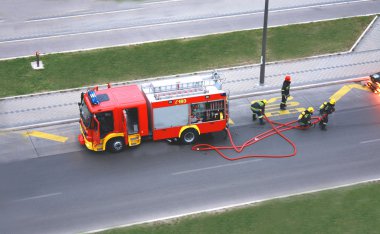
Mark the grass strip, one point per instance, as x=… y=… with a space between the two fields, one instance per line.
x=70 y=70
x=354 y=209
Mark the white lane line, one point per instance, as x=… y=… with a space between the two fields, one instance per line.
x=38 y=197
x=215 y=167
x=121 y=28
x=318 y=5
x=161 y=2
x=369 y=141
x=179 y=22
x=100 y=13
x=82 y=15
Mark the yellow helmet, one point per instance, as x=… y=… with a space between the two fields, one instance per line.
x=310 y=109
x=332 y=101
x=265 y=101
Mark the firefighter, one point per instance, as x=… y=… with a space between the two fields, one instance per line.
x=324 y=110
x=285 y=92
x=304 y=119
x=258 y=109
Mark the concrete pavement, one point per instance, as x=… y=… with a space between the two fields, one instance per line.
x=61 y=106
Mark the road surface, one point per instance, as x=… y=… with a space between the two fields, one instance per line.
x=70 y=26
x=55 y=187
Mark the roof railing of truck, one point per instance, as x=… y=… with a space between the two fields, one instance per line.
x=179 y=93
x=185 y=83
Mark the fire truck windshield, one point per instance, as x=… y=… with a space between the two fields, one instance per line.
x=85 y=114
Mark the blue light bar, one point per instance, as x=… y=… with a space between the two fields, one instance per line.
x=94 y=100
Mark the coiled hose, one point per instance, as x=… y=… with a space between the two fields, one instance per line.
x=282 y=127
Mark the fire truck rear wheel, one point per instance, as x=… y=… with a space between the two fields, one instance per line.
x=189 y=136
x=115 y=145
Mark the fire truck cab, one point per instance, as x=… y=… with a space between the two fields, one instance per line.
x=178 y=109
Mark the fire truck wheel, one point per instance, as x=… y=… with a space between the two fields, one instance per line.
x=189 y=136
x=115 y=145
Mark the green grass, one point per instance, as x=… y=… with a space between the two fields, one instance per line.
x=70 y=70
x=348 y=210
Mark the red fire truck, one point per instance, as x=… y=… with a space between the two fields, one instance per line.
x=177 y=109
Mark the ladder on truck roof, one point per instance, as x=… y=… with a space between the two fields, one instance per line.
x=180 y=88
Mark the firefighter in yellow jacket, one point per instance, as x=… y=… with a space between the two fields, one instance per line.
x=324 y=110
x=304 y=119
x=258 y=110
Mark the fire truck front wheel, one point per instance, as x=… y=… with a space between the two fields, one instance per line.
x=115 y=145
x=189 y=136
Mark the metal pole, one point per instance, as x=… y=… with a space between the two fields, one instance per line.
x=38 y=59
x=264 y=43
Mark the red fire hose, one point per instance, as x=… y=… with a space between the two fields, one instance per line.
x=282 y=127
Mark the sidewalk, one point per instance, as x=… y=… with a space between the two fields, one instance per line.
x=62 y=106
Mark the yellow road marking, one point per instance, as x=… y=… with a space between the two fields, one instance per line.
x=47 y=136
x=230 y=121
x=271 y=107
x=276 y=106
x=345 y=89
x=284 y=112
x=273 y=100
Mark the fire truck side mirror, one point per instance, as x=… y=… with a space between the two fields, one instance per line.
x=81 y=99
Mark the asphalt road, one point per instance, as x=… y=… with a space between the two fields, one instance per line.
x=54 y=187
x=44 y=190
x=67 y=26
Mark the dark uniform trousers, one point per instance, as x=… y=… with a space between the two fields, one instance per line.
x=324 y=110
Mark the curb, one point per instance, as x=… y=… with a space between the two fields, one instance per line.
x=363 y=34
x=301 y=87
x=242 y=204
x=199 y=35
x=68 y=121
x=40 y=125
x=173 y=76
